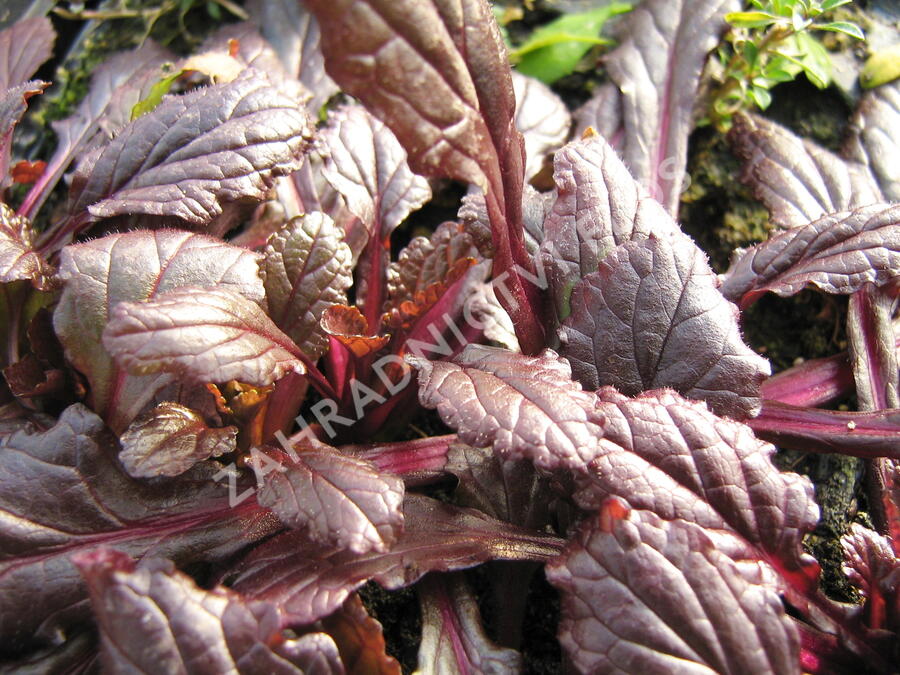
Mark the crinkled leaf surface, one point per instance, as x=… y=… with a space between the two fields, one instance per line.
x=309 y=582
x=797 y=180
x=206 y=335
x=873 y=354
x=169 y=439
x=657 y=68
x=336 y=499
x=598 y=206
x=453 y=639
x=132 y=267
x=869 y=561
x=542 y=119
x=294 y=34
x=652 y=317
x=525 y=406
x=306 y=270
x=677 y=459
x=18 y=259
x=367 y=165
x=837 y=253
x=641 y=594
x=153 y=618
x=875 y=136
x=23 y=47
x=62 y=491
x=196 y=152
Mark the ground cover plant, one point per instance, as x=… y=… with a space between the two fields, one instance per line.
x=221 y=349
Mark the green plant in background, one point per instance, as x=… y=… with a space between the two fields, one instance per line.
x=553 y=50
x=770 y=43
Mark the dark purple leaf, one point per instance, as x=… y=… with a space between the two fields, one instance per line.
x=13 y=103
x=873 y=354
x=652 y=317
x=677 y=459
x=453 y=639
x=132 y=267
x=525 y=406
x=169 y=439
x=196 y=152
x=338 y=500
x=23 y=47
x=541 y=118
x=643 y=595
x=311 y=582
x=657 y=68
x=154 y=619
x=838 y=253
x=871 y=565
x=811 y=383
x=306 y=270
x=598 y=207
x=62 y=491
x=875 y=136
x=116 y=86
x=206 y=335
x=18 y=259
x=457 y=118
x=294 y=34
x=797 y=180
x=861 y=434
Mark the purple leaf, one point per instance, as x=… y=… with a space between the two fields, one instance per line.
x=797 y=180
x=308 y=582
x=525 y=406
x=169 y=439
x=641 y=594
x=336 y=499
x=677 y=459
x=873 y=354
x=541 y=118
x=306 y=270
x=861 y=434
x=657 y=68
x=652 y=317
x=455 y=121
x=13 y=103
x=187 y=519
x=18 y=260
x=453 y=639
x=132 y=267
x=205 y=335
x=875 y=136
x=294 y=34
x=602 y=113
x=811 y=383
x=23 y=47
x=196 y=152
x=870 y=563
x=153 y=618
x=838 y=253
x=598 y=207
x=116 y=86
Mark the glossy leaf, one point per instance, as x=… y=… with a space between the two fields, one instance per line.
x=169 y=439
x=336 y=499
x=837 y=253
x=875 y=136
x=657 y=68
x=308 y=582
x=13 y=103
x=196 y=152
x=651 y=317
x=154 y=618
x=132 y=267
x=453 y=639
x=18 y=259
x=186 y=519
x=642 y=594
x=206 y=335
x=797 y=181
x=359 y=640
x=525 y=406
x=306 y=269
x=23 y=47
